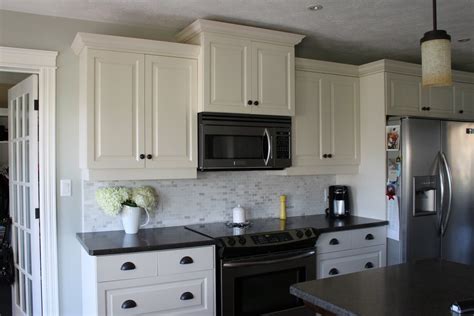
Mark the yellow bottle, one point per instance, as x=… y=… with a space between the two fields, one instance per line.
x=282 y=207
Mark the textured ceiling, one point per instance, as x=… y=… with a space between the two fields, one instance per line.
x=349 y=31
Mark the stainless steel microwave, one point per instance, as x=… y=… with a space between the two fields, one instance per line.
x=243 y=141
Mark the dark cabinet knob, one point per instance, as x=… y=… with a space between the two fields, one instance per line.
x=129 y=304
x=255 y=102
x=369 y=237
x=333 y=271
x=334 y=242
x=325 y=156
x=249 y=102
x=186 y=296
x=149 y=156
x=186 y=260
x=461 y=111
x=142 y=156
x=128 y=266
x=369 y=265
x=329 y=155
x=423 y=108
x=428 y=108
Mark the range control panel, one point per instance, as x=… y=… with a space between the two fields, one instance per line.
x=269 y=239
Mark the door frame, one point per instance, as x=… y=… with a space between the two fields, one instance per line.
x=43 y=63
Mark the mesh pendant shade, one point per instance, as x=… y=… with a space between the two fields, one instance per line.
x=436 y=62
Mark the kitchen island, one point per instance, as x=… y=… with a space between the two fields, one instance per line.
x=423 y=288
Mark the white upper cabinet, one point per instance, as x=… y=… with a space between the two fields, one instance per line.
x=227 y=75
x=326 y=127
x=244 y=69
x=170 y=99
x=273 y=73
x=138 y=108
x=403 y=94
x=464 y=100
x=115 y=109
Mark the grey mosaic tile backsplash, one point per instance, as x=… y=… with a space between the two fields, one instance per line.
x=211 y=197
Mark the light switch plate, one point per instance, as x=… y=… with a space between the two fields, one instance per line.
x=65 y=187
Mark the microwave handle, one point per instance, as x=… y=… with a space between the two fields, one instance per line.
x=269 y=141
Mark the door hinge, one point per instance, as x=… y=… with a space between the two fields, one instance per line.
x=36 y=105
x=37 y=213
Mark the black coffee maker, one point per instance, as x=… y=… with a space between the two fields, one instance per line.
x=339 y=201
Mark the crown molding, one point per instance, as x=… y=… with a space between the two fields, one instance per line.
x=394 y=66
x=266 y=35
x=320 y=66
x=31 y=58
x=132 y=45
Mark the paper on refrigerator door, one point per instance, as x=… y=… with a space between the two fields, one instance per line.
x=393 y=231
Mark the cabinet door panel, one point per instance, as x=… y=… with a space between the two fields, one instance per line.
x=227 y=75
x=307 y=122
x=273 y=79
x=115 y=109
x=403 y=94
x=171 y=102
x=464 y=100
x=441 y=101
x=344 y=120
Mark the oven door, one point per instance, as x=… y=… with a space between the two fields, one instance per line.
x=261 y=285
x=235 y=147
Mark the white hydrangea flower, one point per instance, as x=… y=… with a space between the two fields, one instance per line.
x=111 y=199
x=145 y=197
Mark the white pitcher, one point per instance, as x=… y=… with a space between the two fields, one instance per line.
x=131 y=219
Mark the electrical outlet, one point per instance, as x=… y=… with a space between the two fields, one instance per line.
x=65 y=187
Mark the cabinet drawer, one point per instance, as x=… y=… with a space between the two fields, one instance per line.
x=175 y=298
x=369 y=237
x=185 y=260
x=127 y=266
x=344 y=262
x=331 y=242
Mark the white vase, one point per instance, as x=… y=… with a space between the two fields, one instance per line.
x=131 y=219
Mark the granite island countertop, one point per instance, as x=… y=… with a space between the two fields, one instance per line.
x=424 y=288
x=115 y=242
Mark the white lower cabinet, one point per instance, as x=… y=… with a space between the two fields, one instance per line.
x=351 y=251
x=170 y=282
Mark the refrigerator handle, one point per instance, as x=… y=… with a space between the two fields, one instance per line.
x=442 y=190
x=445 y=221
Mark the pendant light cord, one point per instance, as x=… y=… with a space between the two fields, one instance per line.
x=435 y=27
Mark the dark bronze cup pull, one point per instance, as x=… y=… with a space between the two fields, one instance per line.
x=369 y=237
x=369 y=265
x=333 y=271
x=129 y=304
x=128 y=266
x=186 y=260
x=186 y=296
x=334 y=242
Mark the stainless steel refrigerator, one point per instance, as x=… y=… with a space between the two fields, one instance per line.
x=435 y=190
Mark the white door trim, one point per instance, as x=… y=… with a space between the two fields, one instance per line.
x=43 y=63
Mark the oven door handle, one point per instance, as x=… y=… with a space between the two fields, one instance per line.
x=269 y=146
x=271 y=261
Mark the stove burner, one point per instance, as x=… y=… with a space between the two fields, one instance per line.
x=238 y=225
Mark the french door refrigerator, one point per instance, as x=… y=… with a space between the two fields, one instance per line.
x=435 y=190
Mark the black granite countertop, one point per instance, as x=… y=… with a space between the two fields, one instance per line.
x=423 y=288
x=321 y=223
x=114 y=242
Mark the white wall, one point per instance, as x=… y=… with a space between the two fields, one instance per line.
x=368 y=186
x=50 y=33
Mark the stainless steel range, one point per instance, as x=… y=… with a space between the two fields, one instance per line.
x=257 y=264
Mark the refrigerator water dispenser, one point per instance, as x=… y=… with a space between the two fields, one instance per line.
x=424 y=197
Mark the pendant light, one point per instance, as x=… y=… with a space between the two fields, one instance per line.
x=436 y=56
